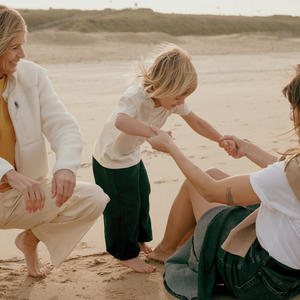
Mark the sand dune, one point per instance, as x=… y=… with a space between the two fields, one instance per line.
x=146 y=20
x=68 y=47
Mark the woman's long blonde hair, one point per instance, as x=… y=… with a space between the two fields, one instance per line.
x=171 y=74
x=292 y=92
x=11 y=23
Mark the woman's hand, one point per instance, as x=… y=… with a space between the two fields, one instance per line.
x=34 y=196
x=162 y=141
x=63 y=184
x=239 y=150
x=229 y=146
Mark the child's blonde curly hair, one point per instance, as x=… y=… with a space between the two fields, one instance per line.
x=171 y=73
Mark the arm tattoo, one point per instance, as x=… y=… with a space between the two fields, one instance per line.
x=229 y=196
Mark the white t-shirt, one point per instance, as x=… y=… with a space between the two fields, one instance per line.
x=115 y=149
x=278 y=220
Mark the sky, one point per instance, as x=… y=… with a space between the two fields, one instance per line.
x=215 y=7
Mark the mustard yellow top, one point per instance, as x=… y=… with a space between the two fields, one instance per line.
x=7 y=134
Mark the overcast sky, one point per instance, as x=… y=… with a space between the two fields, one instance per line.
x=218 y=7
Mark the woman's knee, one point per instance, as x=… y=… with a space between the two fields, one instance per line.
x=188 y=192
x=216 y=173
x=91 y=197
x=98 y=198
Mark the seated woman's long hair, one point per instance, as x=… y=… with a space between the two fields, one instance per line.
x=292 y=93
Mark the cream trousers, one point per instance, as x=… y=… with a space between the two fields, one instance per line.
x=60 y=229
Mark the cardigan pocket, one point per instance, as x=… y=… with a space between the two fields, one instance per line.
x=33 y=160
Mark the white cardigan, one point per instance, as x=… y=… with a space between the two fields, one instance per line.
x=36 y=112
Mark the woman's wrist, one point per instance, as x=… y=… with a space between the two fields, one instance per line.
x=173 y=150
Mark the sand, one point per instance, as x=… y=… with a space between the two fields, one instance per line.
x=240 y=82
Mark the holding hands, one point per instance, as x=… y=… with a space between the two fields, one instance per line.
x=162 y=142
x=229 y=146
x=233 y=146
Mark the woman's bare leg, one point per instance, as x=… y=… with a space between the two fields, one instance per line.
x=180 y=221
x=27 y=242
x=185 y=212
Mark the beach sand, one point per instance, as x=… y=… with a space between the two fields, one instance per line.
x=239 y=92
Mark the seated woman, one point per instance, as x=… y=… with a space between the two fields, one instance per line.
x=57 y=212
x=259 y=260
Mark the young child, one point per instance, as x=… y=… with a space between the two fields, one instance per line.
x=117 y=164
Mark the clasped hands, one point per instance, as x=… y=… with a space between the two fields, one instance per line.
x=163 y=142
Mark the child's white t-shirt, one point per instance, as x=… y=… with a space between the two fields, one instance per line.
x=278 y=220
x=115 y=149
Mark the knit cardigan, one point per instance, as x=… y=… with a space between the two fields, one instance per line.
x=37 y=113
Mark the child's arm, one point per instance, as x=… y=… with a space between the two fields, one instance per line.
x=202 y=127
x=131 y=126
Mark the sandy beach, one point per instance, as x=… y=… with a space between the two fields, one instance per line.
x=239 y=92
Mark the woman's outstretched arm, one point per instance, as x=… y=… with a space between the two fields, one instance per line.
x=235 y=190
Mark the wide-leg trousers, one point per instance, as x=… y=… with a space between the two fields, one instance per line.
x=59 y=228
x=126 y=217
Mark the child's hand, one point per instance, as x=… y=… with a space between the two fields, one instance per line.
x=240 y=145
x=229 y=146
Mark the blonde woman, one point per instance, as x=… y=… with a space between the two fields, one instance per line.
x=253 y=252
x=117 y=164
x=57 y=212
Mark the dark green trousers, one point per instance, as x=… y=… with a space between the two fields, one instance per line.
x=126 y=216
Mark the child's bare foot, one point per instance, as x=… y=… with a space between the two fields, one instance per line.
x=27 y=242
x=145 y=247
x=138 y=265
x=160 y=254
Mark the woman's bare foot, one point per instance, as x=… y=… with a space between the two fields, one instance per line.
x=138 y=265
x=160 y=253
x=145 y=247
x=27 y=242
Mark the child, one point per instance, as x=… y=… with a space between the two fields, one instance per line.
x=117 y=164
